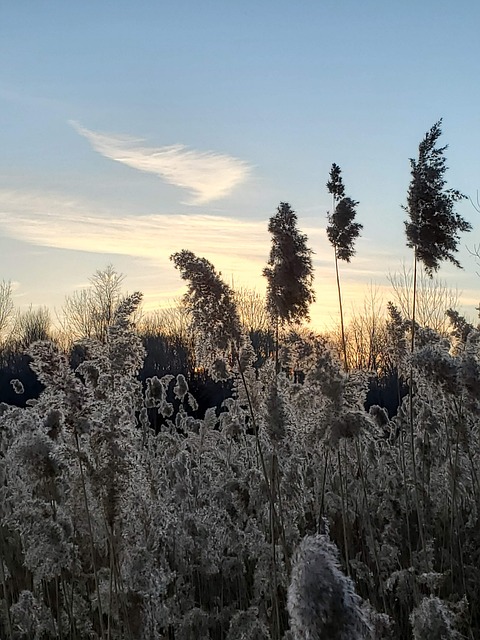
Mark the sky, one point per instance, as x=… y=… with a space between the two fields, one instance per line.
x=129 y=131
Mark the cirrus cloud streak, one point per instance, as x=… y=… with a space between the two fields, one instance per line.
x=237 y=248
x=206 y=174
x=52 y=220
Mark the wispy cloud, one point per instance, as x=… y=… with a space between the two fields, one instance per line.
x=237 y=248
x=206 y=174
x=51 y=220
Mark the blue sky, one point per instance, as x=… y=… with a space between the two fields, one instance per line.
x=131 y=130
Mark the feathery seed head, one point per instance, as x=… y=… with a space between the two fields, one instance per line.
x=322 y=603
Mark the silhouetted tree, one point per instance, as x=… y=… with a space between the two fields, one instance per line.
x=342 y=232
x=433 y=226
x=335 y=185
x=289 y=272
x=211 y=303
x=432 y=231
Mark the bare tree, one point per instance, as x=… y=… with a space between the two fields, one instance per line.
x=475 y=252
x=433 y=298
x=31 y=326
x=88 y=313
x=168 y=337
x=367 y=335
x=252 y=309
x=6 y=310
x=173 y=322
x=256 y=321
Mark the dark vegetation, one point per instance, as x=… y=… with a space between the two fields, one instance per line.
x=167 y=355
